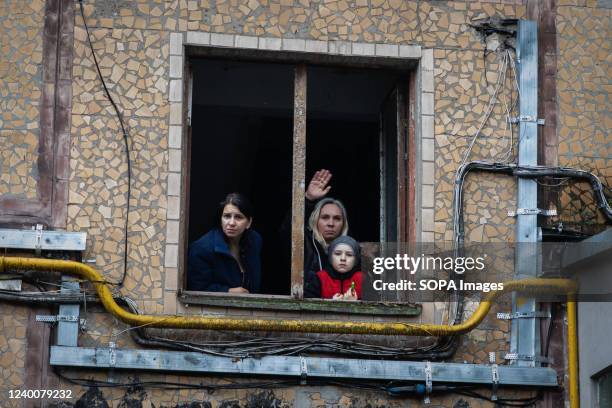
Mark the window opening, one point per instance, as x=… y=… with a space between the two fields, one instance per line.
x=355 y=124
x=242 y=138
x=604 y=388
x=241 y=127
x=344 y=120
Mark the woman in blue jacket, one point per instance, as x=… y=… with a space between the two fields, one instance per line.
x=227 y=259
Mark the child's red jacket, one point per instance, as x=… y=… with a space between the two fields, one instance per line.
x=325 y=284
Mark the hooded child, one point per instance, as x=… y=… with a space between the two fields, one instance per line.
x=342 y=280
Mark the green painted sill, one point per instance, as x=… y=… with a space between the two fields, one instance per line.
x=287 y=303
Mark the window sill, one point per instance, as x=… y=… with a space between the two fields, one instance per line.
x=287 y=303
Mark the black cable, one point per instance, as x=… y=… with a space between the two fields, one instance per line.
x=141 y=338
x=167 y=385
x=127 y=150
x=550 y=329
x=254 y=347
x=532 y=172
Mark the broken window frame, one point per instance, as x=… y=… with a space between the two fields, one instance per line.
x=405 y=194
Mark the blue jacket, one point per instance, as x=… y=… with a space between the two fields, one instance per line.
x=211 y=266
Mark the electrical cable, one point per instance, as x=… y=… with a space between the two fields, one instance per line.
x=127 y=151
x=138 y=335
x=456 y=305
x=258 y=347
x=443 y=348
x=549 y=331
x=251 y=347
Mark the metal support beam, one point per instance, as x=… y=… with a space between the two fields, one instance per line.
x=67 y=330
x=42 y=240
x=525 y=338
x=300 y=367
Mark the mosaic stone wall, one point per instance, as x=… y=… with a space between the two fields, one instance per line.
x=131 y=39
x=465 y=82
x=132 y=43
x=20 y=91
x=13 y=348
x=133 y=63
x=584 y=65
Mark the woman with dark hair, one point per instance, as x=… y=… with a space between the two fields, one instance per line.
x=227 y=259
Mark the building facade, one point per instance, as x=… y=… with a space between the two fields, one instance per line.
x=63 y=154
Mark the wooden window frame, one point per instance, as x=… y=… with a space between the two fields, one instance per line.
x=295 y=300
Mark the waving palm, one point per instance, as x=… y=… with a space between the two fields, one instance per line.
x=318 y=188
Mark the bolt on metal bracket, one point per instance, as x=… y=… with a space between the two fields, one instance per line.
x=532 y=211
x=523 y=315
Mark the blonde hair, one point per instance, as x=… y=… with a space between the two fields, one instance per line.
x=314 y=218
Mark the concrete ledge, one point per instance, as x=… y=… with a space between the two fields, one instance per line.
x=273 y=44
x=387 y=50
x=174 y=139
x=176 y=44
x=244 y=41
x=171 y=258
x=174 y=184
x=174 y=210
x=410 y=51
x=427 y=103
x=198 y=38
x=176 y=90
x=176 y=66
x=291 y=44
x=316 y=46
x=174 y=160
x=222 y=40
x=366 y=49
x=340 y=47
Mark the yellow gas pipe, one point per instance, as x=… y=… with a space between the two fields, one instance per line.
x=86 y=272
x=572 y=348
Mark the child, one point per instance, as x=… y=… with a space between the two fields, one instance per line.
x=343 y=279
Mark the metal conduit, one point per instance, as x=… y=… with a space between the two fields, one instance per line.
x=304 y=326
x=572 y=349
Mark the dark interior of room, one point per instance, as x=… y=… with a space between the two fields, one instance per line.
x=242 y=126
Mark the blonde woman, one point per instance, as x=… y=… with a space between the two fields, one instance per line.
x=327 y=220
